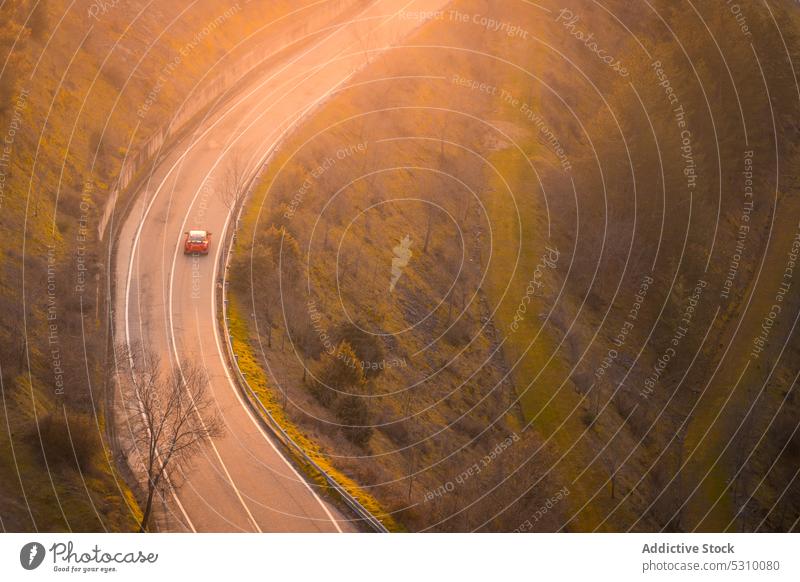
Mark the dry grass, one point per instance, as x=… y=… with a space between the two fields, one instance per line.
x=591 y=429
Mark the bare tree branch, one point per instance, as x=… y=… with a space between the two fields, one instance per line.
x=172 y=416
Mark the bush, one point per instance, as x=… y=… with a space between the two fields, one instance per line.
x=338 y=373
x=470 y=426
x=340 y=386
x=323 y=394
x=367 y=347
x=73 y=445
x=458 y=334
x=397 y=432
x=352 y=412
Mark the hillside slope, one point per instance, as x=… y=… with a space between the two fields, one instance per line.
x=553 y=240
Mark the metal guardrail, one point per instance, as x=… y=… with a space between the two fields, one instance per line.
x=229 y=238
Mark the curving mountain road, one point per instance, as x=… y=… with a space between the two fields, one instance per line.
x=240 y=482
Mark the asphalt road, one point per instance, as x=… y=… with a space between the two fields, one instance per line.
x=241 y=481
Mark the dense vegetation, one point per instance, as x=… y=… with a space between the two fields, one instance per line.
x=539 y=248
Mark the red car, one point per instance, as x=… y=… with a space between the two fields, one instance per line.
x=196 y=242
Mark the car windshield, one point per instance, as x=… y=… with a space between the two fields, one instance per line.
x=196 y=237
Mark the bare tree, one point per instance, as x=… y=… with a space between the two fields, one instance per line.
x=234 y=183
x=172 y=415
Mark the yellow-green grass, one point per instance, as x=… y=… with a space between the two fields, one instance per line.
x=549 y=403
